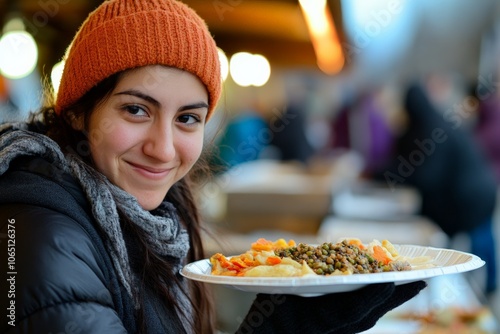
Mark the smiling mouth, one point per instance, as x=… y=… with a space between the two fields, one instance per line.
x=150 y=171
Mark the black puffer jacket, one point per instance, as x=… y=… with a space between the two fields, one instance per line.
x=62 y=277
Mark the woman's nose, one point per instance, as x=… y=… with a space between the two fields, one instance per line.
x=160 y=143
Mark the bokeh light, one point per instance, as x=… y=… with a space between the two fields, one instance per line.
x=56 y=74
x=224 y=64
x=18 y=54
x=249 y=69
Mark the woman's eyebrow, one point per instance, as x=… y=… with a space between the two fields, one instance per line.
x=156 y=103
x=198 y=105
x=141 y=96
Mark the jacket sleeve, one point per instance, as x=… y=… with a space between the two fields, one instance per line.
x=56 y=282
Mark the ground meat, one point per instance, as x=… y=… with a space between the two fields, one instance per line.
x=330 y=258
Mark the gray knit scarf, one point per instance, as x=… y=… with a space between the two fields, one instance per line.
x=163 y=229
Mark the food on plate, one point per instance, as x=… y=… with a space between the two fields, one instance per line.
x=280 y=258
x=260 y=260
x=452 y=320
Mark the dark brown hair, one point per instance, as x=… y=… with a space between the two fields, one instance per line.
x=156 y=272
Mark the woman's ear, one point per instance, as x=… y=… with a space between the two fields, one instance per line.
x=76 y=120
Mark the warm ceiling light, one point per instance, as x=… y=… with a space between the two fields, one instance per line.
x=224 y=64
x=314 y=9
x=18 y=54
x=240 y=68
x=56 y=74
x=18 y=50
x=325 y=40
x=249 y=69
x=262 y=70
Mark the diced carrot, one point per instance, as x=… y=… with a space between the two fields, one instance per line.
x=272 y=260
x=266 y=245
x=380 y=255
x=238 y=262
x=250 y=262
x=357 y=243
x=262 y=244
x=224 y=263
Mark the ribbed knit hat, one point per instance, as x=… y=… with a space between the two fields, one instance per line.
x=124 y=34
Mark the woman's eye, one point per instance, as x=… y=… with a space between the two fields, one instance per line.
x=135 y=110
x=189 y=119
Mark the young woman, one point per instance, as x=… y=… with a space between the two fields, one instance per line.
x=96 y=192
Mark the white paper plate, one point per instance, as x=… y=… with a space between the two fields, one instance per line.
x=446 y=261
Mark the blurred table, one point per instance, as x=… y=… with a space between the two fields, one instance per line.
x=272 y=195
x=375 y=200
x=449 y=305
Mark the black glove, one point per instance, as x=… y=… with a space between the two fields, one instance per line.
x=345 y=312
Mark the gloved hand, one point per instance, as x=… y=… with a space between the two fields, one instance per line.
x=345 y=312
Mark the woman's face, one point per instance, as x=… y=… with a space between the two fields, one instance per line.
x=149 y=133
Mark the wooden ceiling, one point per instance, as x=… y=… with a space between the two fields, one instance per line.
x=274 y=28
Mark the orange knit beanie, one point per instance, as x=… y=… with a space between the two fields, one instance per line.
x=124 y=34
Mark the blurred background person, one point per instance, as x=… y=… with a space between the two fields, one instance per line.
x=440 y=158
